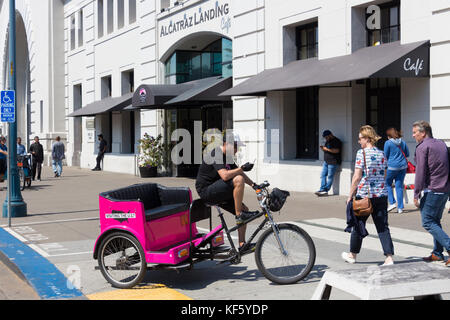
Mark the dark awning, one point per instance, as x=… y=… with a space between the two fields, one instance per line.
x=175 y=95
x=392 y=60
x=105 y=105
x=204 y=90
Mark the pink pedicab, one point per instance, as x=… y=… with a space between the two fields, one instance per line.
x=149 y=226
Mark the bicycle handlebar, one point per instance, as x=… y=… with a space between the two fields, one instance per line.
x=263 y=185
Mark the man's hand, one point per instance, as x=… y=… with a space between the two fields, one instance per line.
x=417 y=203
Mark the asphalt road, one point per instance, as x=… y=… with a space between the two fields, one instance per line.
x=63 y=224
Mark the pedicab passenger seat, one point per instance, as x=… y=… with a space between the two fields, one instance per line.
x=159 y=201
x=200 y=211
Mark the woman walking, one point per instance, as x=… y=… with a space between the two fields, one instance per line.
x=369 y=182
x=397 y=153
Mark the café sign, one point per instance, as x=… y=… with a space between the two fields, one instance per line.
x=218 y=12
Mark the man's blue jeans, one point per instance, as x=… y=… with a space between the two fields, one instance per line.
x=399 y=177
x=431 y=208
x=327 y=176
x=57 y=166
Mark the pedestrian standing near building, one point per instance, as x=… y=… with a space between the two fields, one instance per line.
x=3 y=158
x=397 y=153
x=432 y=178
x=369 y=182
x=37 y=151
x=332 y=156
x=101 y=152
x=21 y=150
x=58 y=156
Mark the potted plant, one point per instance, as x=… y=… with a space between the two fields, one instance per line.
x=151 y=155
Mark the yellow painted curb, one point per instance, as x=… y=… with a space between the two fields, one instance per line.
x=149 y=292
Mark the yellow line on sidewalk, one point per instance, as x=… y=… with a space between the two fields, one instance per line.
x=148 y=292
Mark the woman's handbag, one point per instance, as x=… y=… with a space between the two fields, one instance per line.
x=411 y=167
x=363 y=207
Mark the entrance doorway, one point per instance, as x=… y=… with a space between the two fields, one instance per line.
x=383 y=106
x=216 y=116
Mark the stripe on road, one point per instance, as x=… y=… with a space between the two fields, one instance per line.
x=148 y=292
x=43 y=276
x=370 y=243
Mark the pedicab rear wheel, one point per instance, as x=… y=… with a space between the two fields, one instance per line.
x=122 y=260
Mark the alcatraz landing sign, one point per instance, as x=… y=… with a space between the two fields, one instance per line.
x=218 y=12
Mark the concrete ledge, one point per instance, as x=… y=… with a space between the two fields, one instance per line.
x=403 y=280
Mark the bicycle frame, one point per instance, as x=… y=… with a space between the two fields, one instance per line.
x=263 y=196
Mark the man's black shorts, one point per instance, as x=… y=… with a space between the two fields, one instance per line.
x=220 y=193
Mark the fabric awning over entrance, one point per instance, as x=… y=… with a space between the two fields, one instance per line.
x=105 y=105
x=184 y=94
x=392 y=60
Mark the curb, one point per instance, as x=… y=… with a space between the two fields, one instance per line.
x=47 y=281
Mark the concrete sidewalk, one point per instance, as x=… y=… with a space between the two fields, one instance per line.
x=13 y=285
x=75 y=196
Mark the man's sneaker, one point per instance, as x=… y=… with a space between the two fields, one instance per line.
x=391 y=207
x=247 y=247
x=321 y=193
x=400 y=211
x=245 y=216
x=433 y=258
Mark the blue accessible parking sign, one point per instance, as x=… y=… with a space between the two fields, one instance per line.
x=8 y=106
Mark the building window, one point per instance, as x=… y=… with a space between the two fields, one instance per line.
x=383 y=105
x=132 y=11
x=100 y=18
x=307 y=41
x=80 y=28
x=165 y=4
x=110 y=12
x=216 y=59
x=121 y=14
x=308 y=123
x=106 y=87
x=390 y=25
x=41 y=116
x=72 y=32
x=127 y=82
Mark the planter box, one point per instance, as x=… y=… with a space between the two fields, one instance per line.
x=148 y=172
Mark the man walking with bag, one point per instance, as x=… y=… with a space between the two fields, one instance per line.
x=432 y=177
x=37 y=151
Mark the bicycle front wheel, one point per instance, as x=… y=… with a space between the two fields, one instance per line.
x=288 y=266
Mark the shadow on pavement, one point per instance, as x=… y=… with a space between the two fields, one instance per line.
x=208 y=273
x=203 y=275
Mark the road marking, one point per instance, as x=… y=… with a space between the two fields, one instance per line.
x=50 y=222
x=419 y=238
x=45 y=278
x=69 y=254
x=148 y=292
x=208 y=231
x=371 y=243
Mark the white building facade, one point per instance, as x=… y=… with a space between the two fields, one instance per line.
x=107 y=48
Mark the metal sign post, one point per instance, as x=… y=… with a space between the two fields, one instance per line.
x=15 y=206
x=8 y=115
x=9 y=184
